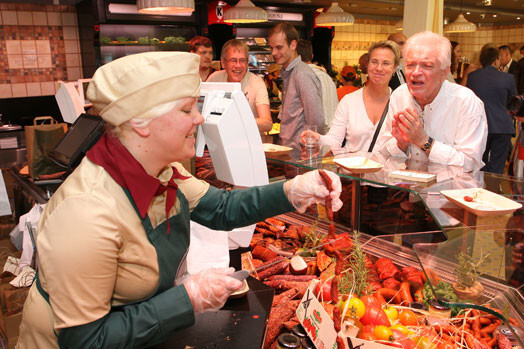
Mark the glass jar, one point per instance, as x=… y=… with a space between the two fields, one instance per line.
x=299 y=331
x=419 y=309
x=438 y=313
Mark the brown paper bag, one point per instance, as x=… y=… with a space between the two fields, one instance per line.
x=41 y=138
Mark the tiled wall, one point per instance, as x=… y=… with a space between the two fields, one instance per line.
x=471 y=43
x=353 y=41
x=38 y=47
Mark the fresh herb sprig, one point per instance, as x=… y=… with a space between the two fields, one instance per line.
x=467 y=270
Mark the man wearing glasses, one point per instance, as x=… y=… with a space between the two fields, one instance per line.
x=234 y=59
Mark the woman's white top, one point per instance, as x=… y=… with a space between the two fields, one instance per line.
x=352 y=122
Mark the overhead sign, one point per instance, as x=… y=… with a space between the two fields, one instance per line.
x=215 y=12
x=284 y=16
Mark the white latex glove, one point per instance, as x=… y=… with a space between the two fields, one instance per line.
x=209 y=289
x=309 y=188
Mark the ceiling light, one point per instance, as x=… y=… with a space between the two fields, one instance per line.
x=245 y=12
x=399 y=25
x=165 y=7
x=460 y=25
x=334 y=16
x=468 y=13
x=494 y=16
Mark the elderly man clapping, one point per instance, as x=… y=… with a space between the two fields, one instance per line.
x=432 y=118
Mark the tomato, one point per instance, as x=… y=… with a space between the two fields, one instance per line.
x=323 y=295
x=400 y=328
x=370 y=300
x=384 y=333
x=468 y=198
x=397 y=334
x=408 y=343
x=367 y=336
x=375 y=315
x=356 y=308
x=408 y=318
x=391 y=312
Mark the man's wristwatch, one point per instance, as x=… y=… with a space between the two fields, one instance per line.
x=427 y=146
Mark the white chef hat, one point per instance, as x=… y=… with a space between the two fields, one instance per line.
x=131 y=86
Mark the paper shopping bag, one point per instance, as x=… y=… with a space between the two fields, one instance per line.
x=41 y=138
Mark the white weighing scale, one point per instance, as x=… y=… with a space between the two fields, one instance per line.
x=234 y=143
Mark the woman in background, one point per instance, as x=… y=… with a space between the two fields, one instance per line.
x=358 y=114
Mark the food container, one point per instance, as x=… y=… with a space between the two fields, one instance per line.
x=419 y=309
x=438 y=313
x=299 y=331
x=288 y=341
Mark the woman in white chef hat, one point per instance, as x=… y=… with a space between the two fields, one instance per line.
x=112 y=239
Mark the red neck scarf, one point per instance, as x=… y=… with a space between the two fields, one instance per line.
x=109 y=153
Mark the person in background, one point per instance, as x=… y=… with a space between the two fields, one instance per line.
x=399 y=77
x=456 y=56
x=273 y=80
x=329 y=89
x=359 y=114
x=348 y=75
x=113 y=238
x=234 y=59
x=363 y=62
x=519 y=73
x=507 y=64
x=203 y=47
x=495 y=89
x=459 y=73
x=301 y=93
x=433 y=119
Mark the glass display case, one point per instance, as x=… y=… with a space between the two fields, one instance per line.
x=260 y=57
x=410 y=222
x=118 y=40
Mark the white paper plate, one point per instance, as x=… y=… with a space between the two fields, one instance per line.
x=485 y=202
x=275 y=149
x=358 y=164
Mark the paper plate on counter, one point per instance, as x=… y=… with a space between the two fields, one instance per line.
x=481 y=202
x=358 y=164
x=275 y=149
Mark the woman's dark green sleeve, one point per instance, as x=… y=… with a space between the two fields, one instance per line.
x=136 y=325
x=224 y=210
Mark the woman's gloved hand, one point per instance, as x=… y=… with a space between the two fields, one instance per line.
x=209 y=289
x=309 y=188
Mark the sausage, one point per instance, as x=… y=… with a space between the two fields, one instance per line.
x=300 y=278
x=340 y=342
x=274 y=269
x=301 y=287
x=334 y=290
x=387 y=293
x=503 y=342
x=263 y=253
x=284 y=297
x=277 y=317
x=277 y=223
x=490 y=328
x=405 y=293
x=391 y=283
x=336 y=319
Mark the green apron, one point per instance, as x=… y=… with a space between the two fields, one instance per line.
x=171 y=248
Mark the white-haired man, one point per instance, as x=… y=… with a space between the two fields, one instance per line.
x=432 y=118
